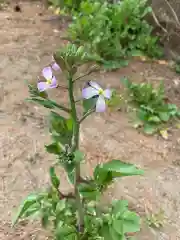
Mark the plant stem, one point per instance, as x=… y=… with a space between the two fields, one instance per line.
x=86 y=115
x=75 y=146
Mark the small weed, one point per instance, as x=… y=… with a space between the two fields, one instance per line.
x=155 y=220
x=152 y=112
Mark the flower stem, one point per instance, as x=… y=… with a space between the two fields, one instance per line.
x=75 y=146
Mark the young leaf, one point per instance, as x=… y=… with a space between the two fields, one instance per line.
x=26 y=204
x=60 y=128
x=120 y=207
x=54 y=179
x=89 y=191
x=89 y=104
x=131 y=222
x=102 y=177
x=61 y=205
x=34 y=92
x=78 y=156
x=65 y=231
x=164 y=116
x=53 y=148
x=119 y=168
x=154 y=119
x=127 y=222
x=44 y=102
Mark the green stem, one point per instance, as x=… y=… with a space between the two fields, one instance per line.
x=86 y=115
x=75 y=146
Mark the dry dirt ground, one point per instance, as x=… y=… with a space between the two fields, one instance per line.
x=26 y=45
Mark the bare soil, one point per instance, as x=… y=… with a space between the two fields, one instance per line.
x=26 y=45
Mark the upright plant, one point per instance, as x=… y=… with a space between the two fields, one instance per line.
x=78 y=214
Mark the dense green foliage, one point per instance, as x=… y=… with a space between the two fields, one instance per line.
x=114 y=31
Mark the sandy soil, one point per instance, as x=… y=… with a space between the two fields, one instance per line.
x=26 y=45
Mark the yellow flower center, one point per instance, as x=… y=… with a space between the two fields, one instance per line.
x=101 y=91
x=49 y=81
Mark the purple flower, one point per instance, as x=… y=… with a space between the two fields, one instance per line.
x=51 y=81
x=95 y=90
x=55 y=66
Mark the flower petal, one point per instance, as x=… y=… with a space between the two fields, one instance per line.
x=89 y=92
x=42 y=86
x=107 y=93
x=47 y=73
x=94 y=85
x=53 y=83
x=100 y=104
x=56 y=67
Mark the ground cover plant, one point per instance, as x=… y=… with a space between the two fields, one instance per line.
x=152 y=111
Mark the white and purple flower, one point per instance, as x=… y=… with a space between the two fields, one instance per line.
x=50 y=82
x=94 y=90
x=55 y=66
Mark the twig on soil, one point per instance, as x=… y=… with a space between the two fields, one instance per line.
x=173 y=12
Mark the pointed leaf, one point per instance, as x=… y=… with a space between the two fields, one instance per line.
x=120 y=168
x=53 y=148
x=45 y=103
x=26 y=204
x=89 y=104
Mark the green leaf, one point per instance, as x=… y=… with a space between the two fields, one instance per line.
x=33 y=210
x=70 y=170
x=114 y=234
x=150 y=129
x=78 y=156
x=60 y=128
x=124 y=221
x=26 y=204
x=61 y=205
x=89 y=104
x=118 y=226
x=45 y=215
x=54 y=179
x=164 y=116
x=53 y=148
x=120 y=207
x=119 y=168
x=66 y=232
x=131 y=222
x=136 y=53
x=43 y=102
x=105 y=233
x=154 y=119
x=89 y=191
x=127 y=223
x=110 y=65
x=34 y=92
x=101 y=176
